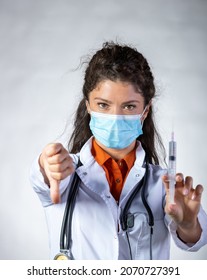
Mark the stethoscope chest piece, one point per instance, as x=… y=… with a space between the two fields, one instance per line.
x=61 y=257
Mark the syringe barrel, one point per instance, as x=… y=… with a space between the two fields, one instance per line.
x=172 y=169
x=172 y=158
x=172 y=151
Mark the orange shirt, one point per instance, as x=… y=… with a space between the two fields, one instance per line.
x=116 y=171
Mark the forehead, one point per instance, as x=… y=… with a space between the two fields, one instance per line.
x=116 y=90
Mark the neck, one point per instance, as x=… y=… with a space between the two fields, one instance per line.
x=117 y=154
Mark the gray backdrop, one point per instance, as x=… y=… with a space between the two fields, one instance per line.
x=42 y=42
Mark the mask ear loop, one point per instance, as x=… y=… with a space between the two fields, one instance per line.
x=146 y=107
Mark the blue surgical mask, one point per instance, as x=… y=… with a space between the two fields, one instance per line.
x=115 y=131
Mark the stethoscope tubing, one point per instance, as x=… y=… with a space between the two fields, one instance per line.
x=66 y=229
x=65 y=235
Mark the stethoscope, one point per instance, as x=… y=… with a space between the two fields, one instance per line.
x=126 y=218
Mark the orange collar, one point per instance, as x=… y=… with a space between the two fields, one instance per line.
x=101 y=156
x=116 y=171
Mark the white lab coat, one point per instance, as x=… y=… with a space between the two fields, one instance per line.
x=96 y=230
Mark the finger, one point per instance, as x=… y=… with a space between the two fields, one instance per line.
x=53 y=149
x=60 y=167
x=165 y=180
x=188 y=185
x=57 y=158
x=171 y=210
x=58 y=176
x=183 y=185
x=60 y=162
x=54 y=191
x=197 y=193
x=179 y=178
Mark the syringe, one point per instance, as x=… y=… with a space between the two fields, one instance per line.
x=172 y=168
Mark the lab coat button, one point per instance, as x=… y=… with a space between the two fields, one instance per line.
x=137 y=175
x=84 y=173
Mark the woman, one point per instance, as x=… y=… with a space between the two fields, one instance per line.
x=114 y=139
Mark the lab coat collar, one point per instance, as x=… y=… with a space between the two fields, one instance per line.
x=87 y=158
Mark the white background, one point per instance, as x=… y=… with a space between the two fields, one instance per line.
x=42 y=42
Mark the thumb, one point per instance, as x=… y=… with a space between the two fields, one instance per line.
x=54 y=191
x=166 y=183
x=165 y=180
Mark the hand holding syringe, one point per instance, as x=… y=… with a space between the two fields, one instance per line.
x=172 y=169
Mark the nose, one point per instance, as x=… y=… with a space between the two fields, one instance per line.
x=116 y=110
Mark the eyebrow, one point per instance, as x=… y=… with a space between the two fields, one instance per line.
x=110 y=102
x=131 y=101
x=102 y=99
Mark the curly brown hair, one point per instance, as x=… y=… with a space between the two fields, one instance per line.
x=117 y=62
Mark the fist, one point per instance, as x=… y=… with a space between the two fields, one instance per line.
x=56 y=165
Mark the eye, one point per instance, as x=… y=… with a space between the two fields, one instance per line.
x=129 y=107
x=102 y=105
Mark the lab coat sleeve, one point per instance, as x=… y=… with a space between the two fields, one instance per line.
x=202 y=218
x=40 y=187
